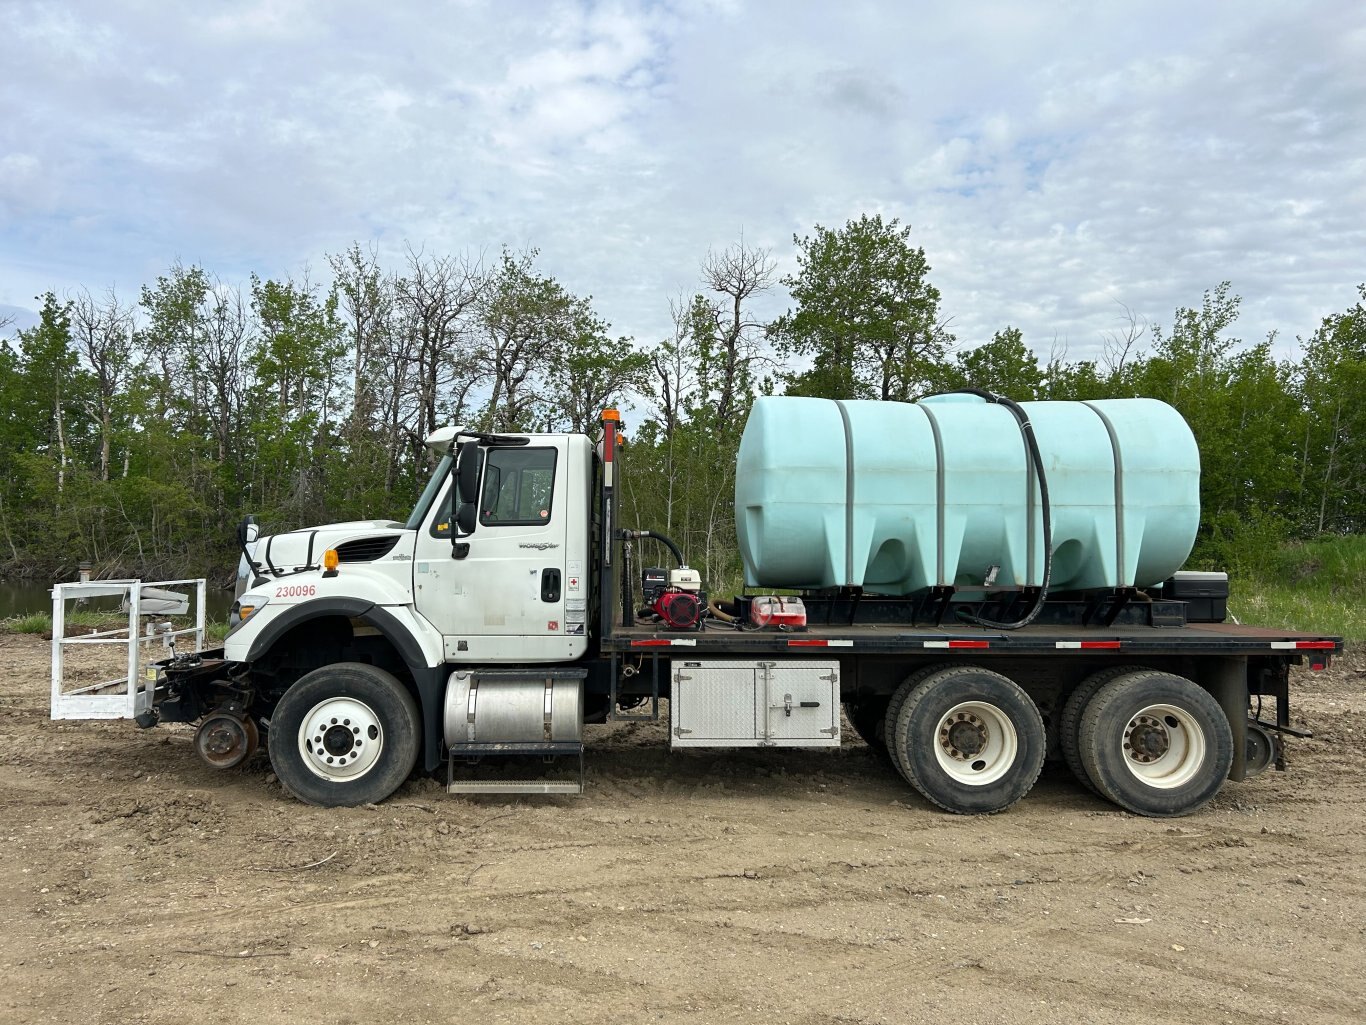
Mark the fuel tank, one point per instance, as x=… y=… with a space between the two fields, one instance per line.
x=899 y=497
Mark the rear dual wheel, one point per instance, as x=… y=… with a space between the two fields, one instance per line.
x=1069 y=723
x=969 y=740
x=1155 y=744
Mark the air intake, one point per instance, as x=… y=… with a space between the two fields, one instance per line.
x=366 y=549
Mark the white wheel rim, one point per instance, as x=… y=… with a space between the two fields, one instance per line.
x=1164 y=746
x=975 y=743
x=340 y=739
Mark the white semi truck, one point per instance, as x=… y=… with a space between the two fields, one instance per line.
x=960 y=621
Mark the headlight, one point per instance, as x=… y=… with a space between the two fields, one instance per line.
x=244 y=607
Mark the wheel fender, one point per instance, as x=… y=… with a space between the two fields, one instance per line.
x=399 y=629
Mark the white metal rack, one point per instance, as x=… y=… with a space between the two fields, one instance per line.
x=123 y=697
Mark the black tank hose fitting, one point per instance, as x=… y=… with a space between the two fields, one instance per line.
x=665 y=541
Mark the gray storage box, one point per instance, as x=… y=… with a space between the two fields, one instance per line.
x=726 y=703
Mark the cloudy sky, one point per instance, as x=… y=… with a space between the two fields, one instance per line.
x=1055 y=159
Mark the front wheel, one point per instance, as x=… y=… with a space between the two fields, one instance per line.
x=344 y=735
x=970 y=740
x=1156 y=744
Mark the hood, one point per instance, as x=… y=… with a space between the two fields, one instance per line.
x=355 y=541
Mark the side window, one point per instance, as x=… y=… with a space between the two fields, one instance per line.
x=519 y=484
x=441 y=522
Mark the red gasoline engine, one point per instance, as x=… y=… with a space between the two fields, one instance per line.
x=674 y=597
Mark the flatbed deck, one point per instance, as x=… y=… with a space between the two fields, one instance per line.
x=1198 y=638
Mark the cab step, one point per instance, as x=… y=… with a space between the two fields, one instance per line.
x=513 y=771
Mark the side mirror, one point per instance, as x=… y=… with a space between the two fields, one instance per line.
x=466 y=495
x=247 y=531
x=466 y=517
x=467 y=473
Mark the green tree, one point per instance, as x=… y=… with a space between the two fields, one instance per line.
x=1004 y=365
x=591 y=373
x=1332 y=457
x=1240 y=406
x=529 y=321
x=57 y=387
x=183 y=395
x=50 y=436
x=866 y=315
x=1074 y=382
x=103 y=332
x=15 y=436
x=297 y=366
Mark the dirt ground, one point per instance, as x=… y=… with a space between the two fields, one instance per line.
x=817 y=888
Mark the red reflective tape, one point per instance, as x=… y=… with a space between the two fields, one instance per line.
x=808 y=644
x=650 y=644
x=969 y=644
x=1101 y=644
x=609 y=440
x=1316 y=645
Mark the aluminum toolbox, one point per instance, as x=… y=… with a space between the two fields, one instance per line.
x=760 y=703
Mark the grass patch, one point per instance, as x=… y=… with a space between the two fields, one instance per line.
x=1286 y=608
x=33 y=623
x=1317 y=587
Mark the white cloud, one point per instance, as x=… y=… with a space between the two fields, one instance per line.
x=1054 y=160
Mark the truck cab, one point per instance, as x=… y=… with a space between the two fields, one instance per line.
x=512 y=587
x=491 y=568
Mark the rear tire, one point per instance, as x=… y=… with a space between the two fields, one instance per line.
x=344 y=735
x=1069 y=725
x=866 y=718
x=970 y=740
x=1156 y=744
x=898 y=699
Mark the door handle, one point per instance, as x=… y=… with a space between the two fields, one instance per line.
x=550 y=585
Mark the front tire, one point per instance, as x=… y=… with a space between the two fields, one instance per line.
x=344 y=735
x=1156 y=744
x=970 y=740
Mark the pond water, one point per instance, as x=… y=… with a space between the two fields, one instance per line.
x=25 y=597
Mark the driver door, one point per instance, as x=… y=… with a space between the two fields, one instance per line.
x=505 y=598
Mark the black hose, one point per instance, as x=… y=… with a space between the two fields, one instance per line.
x=665 y=541
x=628 y=586
x=1032 y=446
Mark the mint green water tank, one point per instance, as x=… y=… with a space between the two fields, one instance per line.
x=899 y=497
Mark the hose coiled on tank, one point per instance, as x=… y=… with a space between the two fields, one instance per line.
x=1032 y=446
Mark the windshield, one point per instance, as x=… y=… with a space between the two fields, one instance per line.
x=429 y=493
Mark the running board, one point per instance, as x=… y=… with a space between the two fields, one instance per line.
x=507 y=779
x=495 y=786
